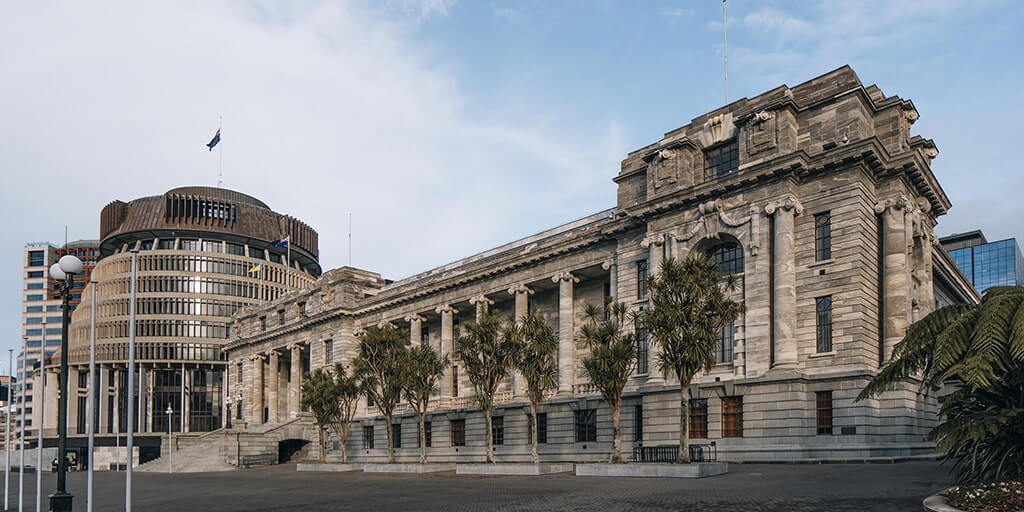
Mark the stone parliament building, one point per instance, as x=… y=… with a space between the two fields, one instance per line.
x=817 y=196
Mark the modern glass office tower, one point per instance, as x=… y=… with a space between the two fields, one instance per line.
x=986 y=264
x=203 y=254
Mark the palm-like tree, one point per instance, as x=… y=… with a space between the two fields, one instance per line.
x=979 y=349
x=488 y=349
x=689 y=306
x=379 y=367
x=538 y=364
x=611 y=361
x=332 y=397
x=423 y=367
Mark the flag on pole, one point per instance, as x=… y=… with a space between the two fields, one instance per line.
x=255 y=268
x=214 y=141
x=282 y=242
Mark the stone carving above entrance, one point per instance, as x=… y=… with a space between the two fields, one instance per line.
x=711 y=219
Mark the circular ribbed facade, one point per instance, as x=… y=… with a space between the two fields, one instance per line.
x=202 y=254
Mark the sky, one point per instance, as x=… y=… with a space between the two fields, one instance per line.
x=446 y=128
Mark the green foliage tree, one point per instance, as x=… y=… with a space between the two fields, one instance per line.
x=488 y=349
x=979 y=349
x=538 y=365
x=379 y=367
x=689 y=306
x=332 y=398
x=423 y=368
x=611 y=360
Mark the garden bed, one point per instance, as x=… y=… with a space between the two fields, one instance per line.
x=997 y=497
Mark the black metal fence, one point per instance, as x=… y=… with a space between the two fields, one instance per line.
x=670 y=453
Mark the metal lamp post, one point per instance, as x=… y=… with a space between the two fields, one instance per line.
x=63 y=271
x=227 y=402
x=169 y=412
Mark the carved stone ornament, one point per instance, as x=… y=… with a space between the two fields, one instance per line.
x=655 y=240
x=481 y=299
x=520 y=288
x=327 y=298
x=787 y=203
x=718 y=128
x=664 y=167
x=896 y=203
x=446 y=308
x=607 y=264
x=414 y=318
x=762 y=132
x=565 y=276
x=712 y=220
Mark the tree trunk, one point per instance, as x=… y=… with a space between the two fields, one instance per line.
x=684 y=417
x=490 y=436
x=391 y=441
x=616 y=435
x=344 y=449
x=534 y=437
x=423 y=438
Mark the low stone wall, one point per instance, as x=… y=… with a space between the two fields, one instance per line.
x=699 y=470
x=408 y=468
x=513 y=469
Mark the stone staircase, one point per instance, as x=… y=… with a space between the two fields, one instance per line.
x=198 y=457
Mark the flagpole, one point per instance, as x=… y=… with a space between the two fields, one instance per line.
x=288 y=245
x=220 y=156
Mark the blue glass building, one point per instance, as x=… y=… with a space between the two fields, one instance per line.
x=986 y=264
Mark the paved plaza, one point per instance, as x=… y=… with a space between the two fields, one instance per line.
x=781 y=487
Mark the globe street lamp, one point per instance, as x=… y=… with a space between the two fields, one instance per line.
x=227 y=402
x=63 y=271
x=169 y=412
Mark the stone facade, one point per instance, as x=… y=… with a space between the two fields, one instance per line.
x=817 y=196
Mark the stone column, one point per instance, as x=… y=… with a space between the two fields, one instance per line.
x=482 y=304
x=295 y=384
x=784 y=289
x=566 y=332
x=895 y=271
x=415 y=329
x=257 y=389
x=655 y=245
x=273 y=385
x=49 y=394
x=102 y=373
x=522 y=299
x=613 y=278
x=447 y=339
x=186 y=408
x=72 y=398
x=149 y=400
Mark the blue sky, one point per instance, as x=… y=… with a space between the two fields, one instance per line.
x=446 y=128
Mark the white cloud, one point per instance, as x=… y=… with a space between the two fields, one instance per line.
x=328 y=109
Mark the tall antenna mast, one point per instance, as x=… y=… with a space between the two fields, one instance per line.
x=350 y=239
x=725 y=50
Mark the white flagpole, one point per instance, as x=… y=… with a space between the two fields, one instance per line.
x=725 y=50
x=220 y=154
x=129 y=410
x=21 y=435
x=39 y=431
x=7 y=426
x=288 y=245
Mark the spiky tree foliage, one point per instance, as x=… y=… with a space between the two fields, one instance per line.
x=488 y=349
x=538 y=365
x=689 y=306
x=379 y=367
x=611 y=360
x=423 y=367
x=332 y=397
x=979 y=349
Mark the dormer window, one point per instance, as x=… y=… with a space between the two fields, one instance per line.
x=722 y=159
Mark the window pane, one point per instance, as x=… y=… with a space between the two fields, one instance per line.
x=732 y=416
x=699 y=418
x=824 y=323
x=822 y=236
x=823 y=404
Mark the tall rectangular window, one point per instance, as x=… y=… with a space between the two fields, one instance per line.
x=498 y=429
x=823 y=405
x=732 y=416
x=726 y=341
x=641 y=279
x=329 y=351
x=642 y=354
x=428 y=430
x=823 y=307
x=280 y=317
x=822 y=236
x=585 y=425
x=455 y=381
x=263 y=323
x=542 y=428
x=698 y=409
x=638 y=423
x=368 y=437
x=458 y=432
x=425 y=335
x=722 y=160
x=396 y=434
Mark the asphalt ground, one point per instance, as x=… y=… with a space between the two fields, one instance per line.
x=747 y=487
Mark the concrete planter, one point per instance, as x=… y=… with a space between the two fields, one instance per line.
x=409 y=468
x=697 y=470
x=938 y=503
x=328 y=467
x=513 y=469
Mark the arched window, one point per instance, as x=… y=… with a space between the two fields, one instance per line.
x=729 y=257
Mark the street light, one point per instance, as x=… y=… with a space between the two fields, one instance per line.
x=227 y=402
x=63 y=271
x=169 y=412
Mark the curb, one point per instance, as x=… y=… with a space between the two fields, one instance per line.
x=938 y=503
